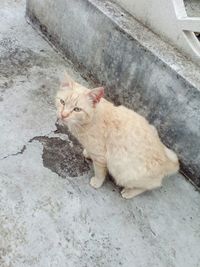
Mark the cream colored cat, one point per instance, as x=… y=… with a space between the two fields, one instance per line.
x=117 y=140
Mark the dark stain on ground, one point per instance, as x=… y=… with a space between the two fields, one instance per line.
x=62 y=156
x=17 y=62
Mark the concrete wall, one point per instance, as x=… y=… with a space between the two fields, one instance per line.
x=138 y=69
x=168 y=18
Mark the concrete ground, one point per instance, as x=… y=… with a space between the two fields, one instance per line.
x=49 y=215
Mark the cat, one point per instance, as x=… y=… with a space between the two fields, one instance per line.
x=116 y=139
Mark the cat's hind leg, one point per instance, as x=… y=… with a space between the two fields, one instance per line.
x=100 y=175
x=128 y=193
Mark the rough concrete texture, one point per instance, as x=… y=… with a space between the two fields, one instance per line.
x=138 y=69
x=46 y=220
x=192 y=8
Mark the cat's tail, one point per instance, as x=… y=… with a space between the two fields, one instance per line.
x=173 y=163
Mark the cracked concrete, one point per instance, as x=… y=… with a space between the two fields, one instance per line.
x=46 y=220
x=15 y=154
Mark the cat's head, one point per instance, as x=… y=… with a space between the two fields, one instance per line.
x=75 y=103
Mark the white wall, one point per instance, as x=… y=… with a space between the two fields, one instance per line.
x=168 y=18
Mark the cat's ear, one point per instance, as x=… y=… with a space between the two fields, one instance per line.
x=96 y=94
x=68 y=82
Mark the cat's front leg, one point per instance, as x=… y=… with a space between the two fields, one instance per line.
x=100 y=175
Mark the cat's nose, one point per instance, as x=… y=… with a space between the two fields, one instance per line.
x=64 y=114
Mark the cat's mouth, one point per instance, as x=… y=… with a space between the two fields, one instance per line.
x=66 y=122
x=60 y=121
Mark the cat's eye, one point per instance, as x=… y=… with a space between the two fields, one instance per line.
x=77 y=109
x=62 y=102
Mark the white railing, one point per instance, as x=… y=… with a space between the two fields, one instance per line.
x=188 y=25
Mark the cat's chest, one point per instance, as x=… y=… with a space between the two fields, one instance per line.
x=92 y=140
x=95 y=146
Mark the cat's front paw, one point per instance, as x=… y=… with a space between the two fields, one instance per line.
x=96 y=182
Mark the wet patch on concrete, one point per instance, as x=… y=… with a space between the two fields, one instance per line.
x=63 y=157
x=17 y=61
